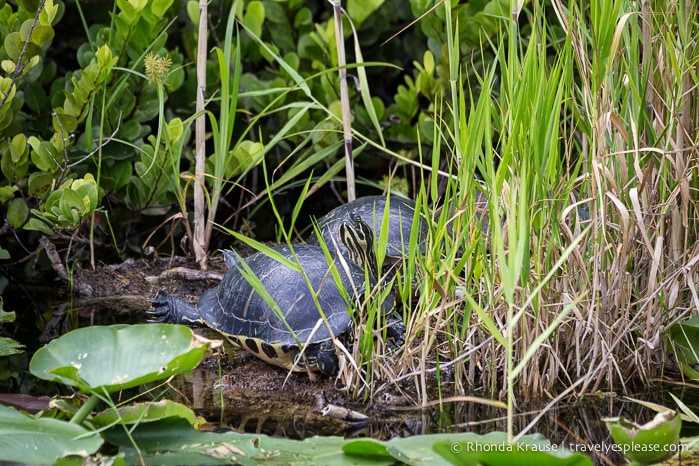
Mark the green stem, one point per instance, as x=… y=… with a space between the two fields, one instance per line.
x=85 y=410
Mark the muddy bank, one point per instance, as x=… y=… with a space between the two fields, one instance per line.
x=231 y=388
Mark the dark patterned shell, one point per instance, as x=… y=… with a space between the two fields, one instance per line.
x=234 y=308
x=371 y=209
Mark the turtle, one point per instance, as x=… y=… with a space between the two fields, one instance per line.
x=371 y=209
x=303 y=339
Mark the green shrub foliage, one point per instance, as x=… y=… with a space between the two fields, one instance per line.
x=81 y=119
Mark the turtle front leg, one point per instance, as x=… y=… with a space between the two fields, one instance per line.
x=396 y=331
x=170 y=310
x=322 y=356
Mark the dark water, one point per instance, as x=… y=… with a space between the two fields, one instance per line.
x=45 y=310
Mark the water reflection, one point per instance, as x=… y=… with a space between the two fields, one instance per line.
x=265 y=401
x=576 y=425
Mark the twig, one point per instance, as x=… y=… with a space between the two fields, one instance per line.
x=55 y=259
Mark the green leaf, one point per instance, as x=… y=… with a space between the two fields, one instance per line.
x=43 y=155
x=86 y=188
x=647 y=443
x=25 y=439
x=8 y=346
x=245 y=155
x=6 y=316
x=13 y=171
x=159 y=7
x=35 y=98
x=48 y=13
x=14 y=45
x=254 y=17
x=359 y=10
x=40 y=184
x=193 y=11
x=144 y=412
x=40 y=34
x=30 y=5
x=174 y=441
x=18 y=148
x=17 y=212
x=71 y=206
x=7 y=193
x=38 y=225
x=684 y=340
x=119 y=357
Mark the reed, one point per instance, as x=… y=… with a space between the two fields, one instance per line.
x=583 y=145
x=560 y=190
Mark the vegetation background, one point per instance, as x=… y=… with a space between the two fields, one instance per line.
x=576 y=120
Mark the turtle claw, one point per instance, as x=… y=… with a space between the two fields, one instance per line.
x=160 y=313
x=396 y=332
x=170 y=310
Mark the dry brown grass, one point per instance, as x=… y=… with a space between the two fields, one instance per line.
x=622 y=224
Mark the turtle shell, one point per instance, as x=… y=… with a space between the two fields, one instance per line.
x=371 y=209
x=235 y=309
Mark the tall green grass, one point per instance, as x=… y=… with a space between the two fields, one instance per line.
x=561 y=197
x=584 y=146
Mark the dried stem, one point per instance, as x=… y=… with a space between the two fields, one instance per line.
x=199 y=240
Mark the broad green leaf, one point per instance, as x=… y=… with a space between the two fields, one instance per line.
x=43 y=155
x=193 y=11
x=254 y=17
x=27 y=440
x=7 y=193
x=174 y=441
x=105 y=60
x=144 y=412
x=18 y=148
x=36 y=98
x=38 y=225
x=684 y=340
x=175 y=129
x=48 y=13
x=14 y=46
x=159 y=7
x=130 y=130
x=30 y=5
x=40 y=184
x=71 y=206
x=64 y=122
x=647 y=443
x=13 y=171
x=119 y=357
x=40 y=34
x=359 y=10
x=17 y=212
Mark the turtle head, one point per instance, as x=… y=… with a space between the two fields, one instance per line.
x=358 y=238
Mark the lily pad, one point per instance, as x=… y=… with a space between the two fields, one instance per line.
x=117 y=357
x=650 y=442
x=144 y=412
x=24 y=439
x=174 y=441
